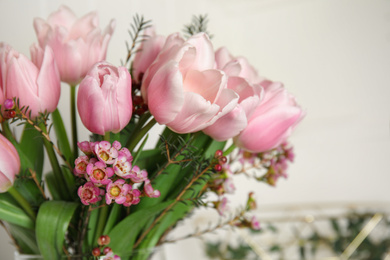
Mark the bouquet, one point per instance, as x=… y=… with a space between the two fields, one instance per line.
x=109 y=196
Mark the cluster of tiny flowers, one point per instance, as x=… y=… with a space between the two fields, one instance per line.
x=108 y=171
x=276 y=162
x=221 y=182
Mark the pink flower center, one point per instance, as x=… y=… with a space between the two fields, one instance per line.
x=129 y=197
x=104 y=155
x=99 y=174
x=81 y=166
x=115 y=191
x=87 y=194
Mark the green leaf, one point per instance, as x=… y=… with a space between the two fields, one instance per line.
x=52 y=222
x=32 y=145
x=62 y=137
x=13 y=214
x=25 y=239
x=124 y=234
x=53 y=186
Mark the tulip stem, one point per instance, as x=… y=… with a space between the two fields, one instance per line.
x=22 y=202
x=55 y=165
x=140 y=134
x=74 y=120
x=229 y=150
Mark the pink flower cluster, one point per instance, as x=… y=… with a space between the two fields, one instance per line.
x=109 y=172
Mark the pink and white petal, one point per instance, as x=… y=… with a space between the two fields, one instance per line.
x=228 y=126
x=49 y=86
x=165 y=93
x=222 y=57
x=195 y=115
x=205 y=58
x=269 y=130
x=91 y=117
x=62 y=17
x=208 y=84
x=84 y=25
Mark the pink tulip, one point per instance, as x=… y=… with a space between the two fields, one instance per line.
x=244 y=80
x=9 y=164
x=35 y=83
x=104 y=99
x=272 y=121
x=147 y=53
x=77 y=43
x=182 y=88
x=236 y=66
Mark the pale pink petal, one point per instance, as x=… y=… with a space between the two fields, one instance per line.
x=228 y=126
x=165 y=93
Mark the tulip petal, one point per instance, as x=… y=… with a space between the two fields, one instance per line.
x=165 y=93
x=62 y=17
x=90 y=96
x=228 y=126
x=205 y=58
x=48 y=82
x=22 y=76
x=195 y=115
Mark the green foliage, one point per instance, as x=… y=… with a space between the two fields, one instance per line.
x=197 y=25
x=52 y=224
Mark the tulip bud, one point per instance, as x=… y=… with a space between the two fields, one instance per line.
x=9 y=164
x=104 y=99
x=36 y=83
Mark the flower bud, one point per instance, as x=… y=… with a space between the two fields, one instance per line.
x=9 y=164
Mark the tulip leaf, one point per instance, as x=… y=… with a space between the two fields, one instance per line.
x=52 y=222
x=13 y=214
x=53 y=186
x=25 y=239
x=62 y=137
x=121 y=239
x=31 y=144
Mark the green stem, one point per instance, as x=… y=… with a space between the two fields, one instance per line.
x=22 y=202
x=140 y=134
x=229 y=150
x=142 y=120
x=74 y=120
x=6 y=130
x=55 y=166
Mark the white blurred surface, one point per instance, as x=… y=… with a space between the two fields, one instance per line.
x=333 y=55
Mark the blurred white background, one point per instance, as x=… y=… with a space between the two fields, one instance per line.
x=333 y=55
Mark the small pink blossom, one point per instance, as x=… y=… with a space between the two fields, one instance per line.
x=86 y=147
x=122 y=166
x=221 y=206
x=89 y=193
x=149 y=191
x=105 y=152
x=255 y=224
x=117 y=191
x=99 y=173
x=111 y=256
x=132 y=197
x=80 y=167
x=137 y=175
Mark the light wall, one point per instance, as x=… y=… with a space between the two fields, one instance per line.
x=333 y=55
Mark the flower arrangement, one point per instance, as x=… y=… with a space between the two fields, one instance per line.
x=221 y=119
